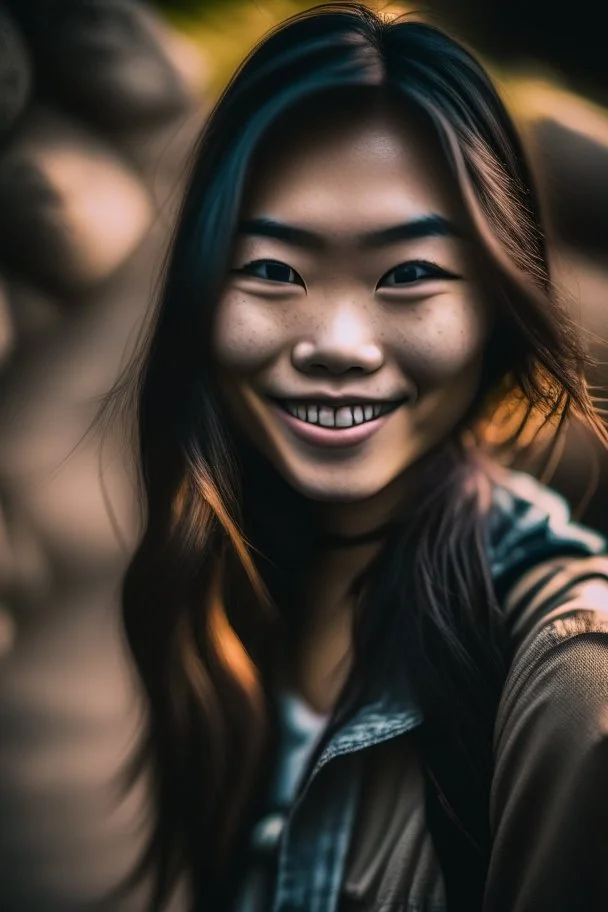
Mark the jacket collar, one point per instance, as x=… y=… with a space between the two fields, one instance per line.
x=395 y=712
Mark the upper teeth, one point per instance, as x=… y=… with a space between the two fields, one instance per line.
x=342 y=417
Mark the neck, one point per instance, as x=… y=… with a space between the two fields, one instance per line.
x=320 y=655
x=321 y=658
x=328 y=540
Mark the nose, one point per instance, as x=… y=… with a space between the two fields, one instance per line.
x=341 y=344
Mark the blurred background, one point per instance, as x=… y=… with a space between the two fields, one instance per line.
x=100 y=101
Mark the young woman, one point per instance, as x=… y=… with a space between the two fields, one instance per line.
x=376 y=662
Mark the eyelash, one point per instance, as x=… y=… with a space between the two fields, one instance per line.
x=435 y=271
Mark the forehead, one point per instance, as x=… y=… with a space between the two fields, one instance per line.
x=371 y=163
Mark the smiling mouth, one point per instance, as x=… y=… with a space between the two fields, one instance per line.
x=345 y=416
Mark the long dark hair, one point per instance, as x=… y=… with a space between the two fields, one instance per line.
x=206 y=596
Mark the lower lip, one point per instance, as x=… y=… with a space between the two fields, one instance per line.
x=332 y=437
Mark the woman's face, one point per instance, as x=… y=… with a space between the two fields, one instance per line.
x=351 y=329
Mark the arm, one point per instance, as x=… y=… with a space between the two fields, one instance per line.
x=549 y=800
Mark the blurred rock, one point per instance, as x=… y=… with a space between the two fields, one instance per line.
x=104 y=60
x=69 y=718
x=14 y=73
x=584 y=279
x=162 y=157
x=567 y=138
x=26 y=576
x=69 y=705
x=582 y=474
x=185 y=55
x=70 y=210
x=8 y=632
x=89 y=174
x=34 y=314
x=574 y=171
x=7 y=326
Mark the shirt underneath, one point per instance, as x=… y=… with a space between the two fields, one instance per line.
x=300 y=730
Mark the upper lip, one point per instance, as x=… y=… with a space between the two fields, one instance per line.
x=337 y=401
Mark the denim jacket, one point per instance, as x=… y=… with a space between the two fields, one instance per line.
x=340 y=850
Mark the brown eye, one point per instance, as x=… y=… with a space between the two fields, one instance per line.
x=271 y=271
x=414 y=272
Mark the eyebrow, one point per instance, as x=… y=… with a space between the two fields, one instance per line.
x=425 y=226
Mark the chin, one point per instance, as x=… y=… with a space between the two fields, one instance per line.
x=328 y=490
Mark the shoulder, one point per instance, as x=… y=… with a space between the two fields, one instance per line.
x=550 y=573
x=551 y=577
x=550 y=780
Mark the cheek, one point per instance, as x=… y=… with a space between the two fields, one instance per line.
x=245 y=336
x=441 y=339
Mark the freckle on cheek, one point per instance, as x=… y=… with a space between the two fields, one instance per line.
x=244 y=341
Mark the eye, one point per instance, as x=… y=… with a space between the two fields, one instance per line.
x=271 y=271
x=412 y=273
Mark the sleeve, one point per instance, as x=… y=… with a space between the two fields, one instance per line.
x=549 y=797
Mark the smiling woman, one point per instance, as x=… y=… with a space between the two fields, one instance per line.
x=376 y=662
